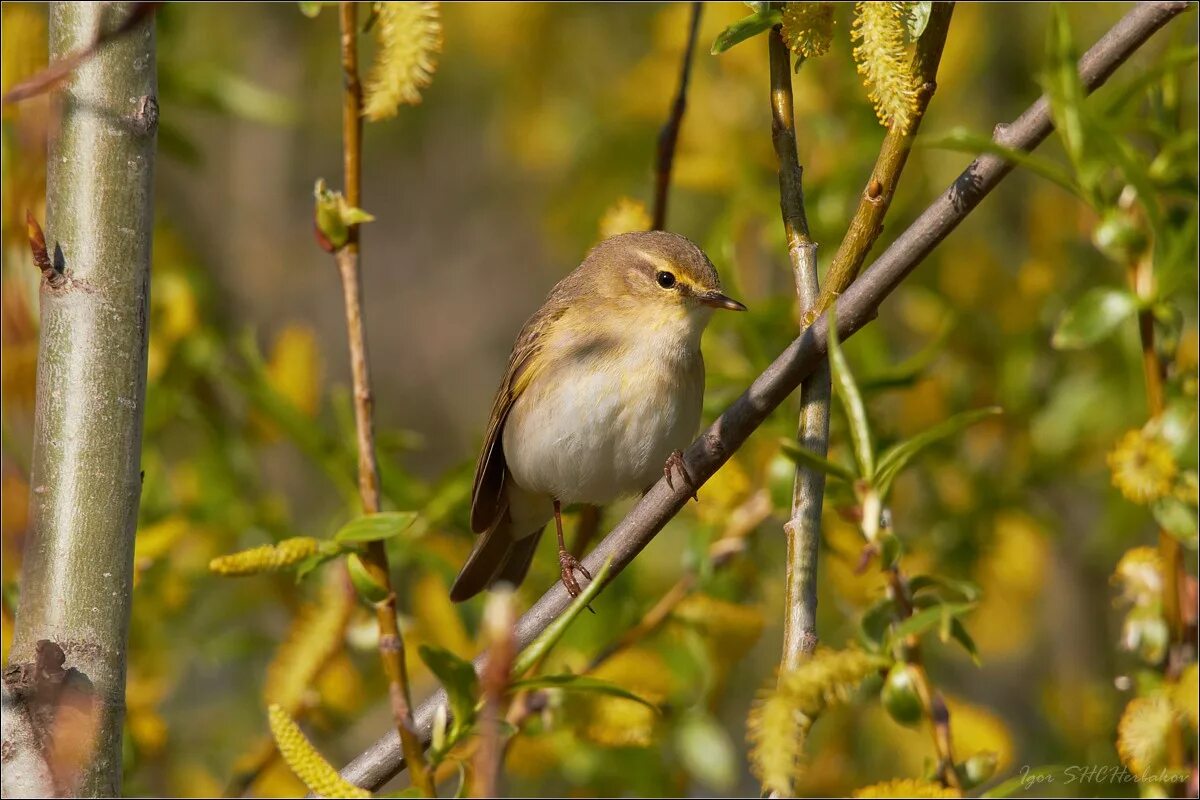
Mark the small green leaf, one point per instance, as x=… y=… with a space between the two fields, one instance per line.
x=578 y=683
x=1176 y=518
x=375 y=527
x=310 y=8
x=959 y=633
x=458 y=678
x=897 y=457
x=860 y=432
x=807 y=458
x=367 y=587
x=707 y=752
x=745 y=28
x=929 y=618
x=334 y=217
x=1095 y=316
x=875 y=621
x=890 y=549
x=327 y=552
x=968 y=590
x=916 y=18
x=555 y=630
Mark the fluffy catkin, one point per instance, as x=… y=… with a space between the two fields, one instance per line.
x=304 y=760
x=268 y=558
x=409 y=36
x=885 y=62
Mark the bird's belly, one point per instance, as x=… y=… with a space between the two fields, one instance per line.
x=585 y=435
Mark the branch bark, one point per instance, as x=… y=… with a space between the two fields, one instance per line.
x=803 y=530
x=857 y=307
x=77 y=574
x=391 y=641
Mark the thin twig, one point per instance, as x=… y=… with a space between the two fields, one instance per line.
x=931 y=698
x=498 y=623
x=391 y=642
x=669 y=135
x=867 y=223
x=857 y=307
x=60 y=70
x=803 y=530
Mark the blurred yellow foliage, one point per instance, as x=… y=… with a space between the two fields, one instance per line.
x=315 y=637
x=624 y=216
x=294 y=368
x=1015 y=570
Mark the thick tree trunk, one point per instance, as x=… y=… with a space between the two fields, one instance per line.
x=76 y=583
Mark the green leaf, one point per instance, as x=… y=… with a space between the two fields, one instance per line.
x=958 y=632
x=370 y=590
x=375 y=527
x=916 y=17
x=707 y=752
x=1174 y=59
x=807 y=458
x=458 y=678
x=310 y=8
x=964 y=141
x=745 y=28
x=967 y=590
x=1176 y=518
x=934 y=616
x=555 y=630
x=856 y=413
x=578 y=683
x=898 y=456
x=875 y=621
x=1094 y=317
x=327 y=552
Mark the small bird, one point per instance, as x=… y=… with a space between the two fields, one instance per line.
x=603 y=388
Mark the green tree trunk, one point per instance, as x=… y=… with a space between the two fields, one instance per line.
x=77 y=578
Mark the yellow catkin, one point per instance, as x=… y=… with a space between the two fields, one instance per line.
x=624 y=216
x=907 y=787
x=776 y=731
x=1139 y=576
x=1185 y=694
x=885 y=63
x=780 y=719
x=304 y=760
x=808 y=28
x=1143 y=732
x=268 y=558
x=315 y=637
x=1142 y=467
x=409 y=37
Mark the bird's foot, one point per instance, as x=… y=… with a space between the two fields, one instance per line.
x=569 y=564
x=675 y=461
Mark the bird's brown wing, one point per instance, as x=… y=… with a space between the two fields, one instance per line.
x=487 y=496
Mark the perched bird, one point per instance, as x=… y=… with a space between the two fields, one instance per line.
x=603 y=388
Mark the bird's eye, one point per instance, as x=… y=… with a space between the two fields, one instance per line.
x=665 y=279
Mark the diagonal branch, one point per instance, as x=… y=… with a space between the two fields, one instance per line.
x=858 y=306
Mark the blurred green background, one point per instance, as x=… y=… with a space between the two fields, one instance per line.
x=541 y=121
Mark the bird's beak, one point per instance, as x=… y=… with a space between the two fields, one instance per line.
x=718 y=300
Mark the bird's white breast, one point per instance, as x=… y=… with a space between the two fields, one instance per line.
x=600 y=425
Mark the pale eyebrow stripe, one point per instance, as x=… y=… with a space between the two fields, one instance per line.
x=657 y=261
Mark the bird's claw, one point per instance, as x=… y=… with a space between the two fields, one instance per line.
x=569 y=564
x=675 y=461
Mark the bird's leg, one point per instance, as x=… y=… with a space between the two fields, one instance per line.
x=567 y=561
x=675 y=461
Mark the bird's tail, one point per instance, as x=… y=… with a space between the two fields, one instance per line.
x=496 y=557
